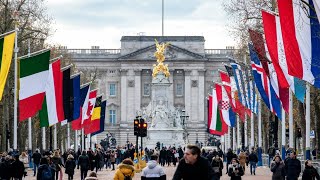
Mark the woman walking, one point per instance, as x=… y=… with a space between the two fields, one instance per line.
x=277 y=167
x=70 y=166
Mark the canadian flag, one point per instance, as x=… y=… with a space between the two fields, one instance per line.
x=87 y=109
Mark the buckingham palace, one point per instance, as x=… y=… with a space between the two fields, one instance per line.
x=124 y=78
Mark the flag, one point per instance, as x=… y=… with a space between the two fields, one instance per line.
x=263 y=84
x=94 y=124
x=66 y=93
x=102 y=118
x=75 y=98
x=49 y=114
x=301 y=40
x=84 y=94
x=33 y=79
x=214 y=120
x=317 y=7
x=239 y=79
x=273 y=35
x=88 y=108
x=6 y=51
x=227 y=115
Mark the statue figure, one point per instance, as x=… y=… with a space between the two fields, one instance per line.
x=159 y=54
x=178 y=119
x=160 y=114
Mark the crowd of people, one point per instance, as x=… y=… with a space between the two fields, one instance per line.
x=192 y=164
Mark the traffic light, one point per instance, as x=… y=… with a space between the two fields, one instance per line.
x=144 y=129
x=8 y=134
x=158 y=145
x=136 y=127
x=299 y=135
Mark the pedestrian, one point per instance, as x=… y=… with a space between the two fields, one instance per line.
x=217 y=166
x=253 y=159
x=292 y=167
x=163 y=156
x=70 y=166
x=235 y=170
x=113 y=159
x=18 y=168
x=230 y=156
x=310 y=173
x=25 y=160
x=84 y=164
x=315 y=152
x=125 y=170
x=45 y=172
x=153 y=171
x=193 y=166
x=57 y=162
x=277 y=168
x=92 y=176
x=243 y=160
x=36 y=156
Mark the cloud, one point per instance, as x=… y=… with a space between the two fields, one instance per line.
x=82 y=24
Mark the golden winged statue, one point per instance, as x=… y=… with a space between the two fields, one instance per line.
x=159 y=54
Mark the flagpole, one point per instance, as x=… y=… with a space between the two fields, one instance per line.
x=68 y=134
x=238 y=134
x=43 y=138
x=229 y=138
x=259 y=135
x=246 y=132
x=234 y=147
x=29 y=119
x=290 y=120
x=76 y=141
x=55 y=145
x=15 y=111
x=222 y=143
x=82 y=139
x=307 y=121
x=252 y=130
x=283 y=134
x=34 y=53
x=162 y=17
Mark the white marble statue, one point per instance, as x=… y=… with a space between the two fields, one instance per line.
x=160 y=114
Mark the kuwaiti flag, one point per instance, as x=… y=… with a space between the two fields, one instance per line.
x=301 y=39
x=6 y=51
x=274 y=41
x=34 y=72
x=52 y=107
x=84 y=94
x=215 y=125
x=94 y=124
x=88 y=109
x=227 y=115
x=102 y=118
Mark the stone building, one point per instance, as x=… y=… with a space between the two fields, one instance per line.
x=125 y=75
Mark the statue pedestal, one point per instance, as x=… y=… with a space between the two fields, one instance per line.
x=166 y=136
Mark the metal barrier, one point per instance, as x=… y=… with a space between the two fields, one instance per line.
x=265 y=160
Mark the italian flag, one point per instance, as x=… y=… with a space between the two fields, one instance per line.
x=33 y=77
x=52 y=106
x=215 y=123
x=6 y=51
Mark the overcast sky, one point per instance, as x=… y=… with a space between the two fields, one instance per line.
x=86 y=23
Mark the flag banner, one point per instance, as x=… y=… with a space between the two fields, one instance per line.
x=239 y=82
x=316 y=4
x=84 y=94
x=227 y=116
x=67 y=94
x=263 y=84
x=75 y=98
x=229 y=70
x=102 y=118
x=87 y=112
x=214 y=120
x=49 y=114
x=33 y=78
x=6 y=52
x=94 y=124
x=64 y=122
x=301 y=39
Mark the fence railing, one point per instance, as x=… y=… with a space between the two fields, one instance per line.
x=91 y=51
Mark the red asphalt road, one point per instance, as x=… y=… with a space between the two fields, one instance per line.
x=262 y=173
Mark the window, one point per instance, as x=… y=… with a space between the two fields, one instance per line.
x=146 y=89
x=112 y=89
x=112 y=116
x=179 y=89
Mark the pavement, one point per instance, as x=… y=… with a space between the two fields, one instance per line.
x=262 y=173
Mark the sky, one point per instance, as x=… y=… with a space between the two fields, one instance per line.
x=85 y=23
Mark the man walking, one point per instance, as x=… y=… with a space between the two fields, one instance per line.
x=193 y=166
x=36 y=156
x=292 y=167
x=253 y=159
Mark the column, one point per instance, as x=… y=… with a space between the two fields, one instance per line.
x=137 y=89
x=201 y=95
x=171 y=88
x=123 y=92
x=187 y=95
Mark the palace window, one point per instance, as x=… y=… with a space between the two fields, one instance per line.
x=112 y=116
x=179 y=89
x=112 y=89
x=146 y=89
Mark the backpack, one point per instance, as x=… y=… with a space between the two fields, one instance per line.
x=46 y=174
x=127 y=178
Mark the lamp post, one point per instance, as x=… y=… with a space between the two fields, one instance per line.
x=184 y=117
x=128 y=138
x=197 y=137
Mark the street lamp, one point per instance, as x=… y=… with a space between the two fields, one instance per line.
x=184 y=117
x=197 y=136
x=127 y=135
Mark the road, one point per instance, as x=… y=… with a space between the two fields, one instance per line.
x=262 y=173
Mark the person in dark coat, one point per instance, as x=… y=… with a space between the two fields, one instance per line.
x=163 y=156
x=253 y=160
x=230 y=155
x=310 y=173
x=193 y=166
x=292 y=167
x=57 y=163
x=235 y=170
x=277 y=167
x=70 y=166
x=6 y=168
x=84 y=164
x=44 y=165
x=18 y=167
x=36 y=156
x=217 y=166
